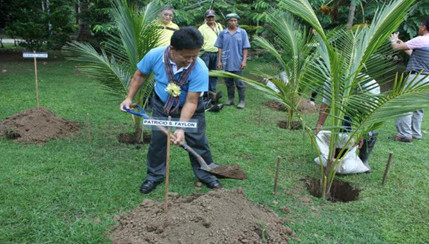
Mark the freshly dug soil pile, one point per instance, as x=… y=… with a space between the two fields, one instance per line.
x=296 y=125
x=36 y=125
x=220 y=216
x=305 y=107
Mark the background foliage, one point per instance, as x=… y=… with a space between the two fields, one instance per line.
x=49 y=26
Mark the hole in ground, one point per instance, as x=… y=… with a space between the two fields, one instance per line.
x=296 y=125
x=341 y=191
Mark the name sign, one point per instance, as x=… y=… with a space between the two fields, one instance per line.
x=167 y=123
x=35 y=55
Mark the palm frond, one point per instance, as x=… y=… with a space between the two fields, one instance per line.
x=99 y=66
x=303 y=9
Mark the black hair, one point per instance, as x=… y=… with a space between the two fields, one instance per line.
x=426 y=23
x=187 y=38
x=167 y=8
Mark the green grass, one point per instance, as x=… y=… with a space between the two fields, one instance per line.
x=69 y=190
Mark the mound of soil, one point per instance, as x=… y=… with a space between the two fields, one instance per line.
x=305 y=106
x=275 y=105
x=220 y=216
x=134 y=138
x=296 y=125
x=36 y=125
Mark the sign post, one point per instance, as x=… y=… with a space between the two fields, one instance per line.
x=35 y=55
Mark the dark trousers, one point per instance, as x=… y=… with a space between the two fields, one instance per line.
x=156 y=157
x=210 y=58
x=231 y=82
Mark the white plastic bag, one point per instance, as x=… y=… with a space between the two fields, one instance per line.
x=351 y=163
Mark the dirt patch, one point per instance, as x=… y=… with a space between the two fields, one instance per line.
x=341 y=191
x=36 y=125
x=275 y=105
x=305 y=106
x=134 y=138
x=220 y=216
x=296 y=125
x=232 y=171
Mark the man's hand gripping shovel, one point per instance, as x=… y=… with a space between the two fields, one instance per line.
x=228 y=171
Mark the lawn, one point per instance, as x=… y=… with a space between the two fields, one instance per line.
x=70 y=190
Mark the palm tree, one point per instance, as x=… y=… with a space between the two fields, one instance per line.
x=358 y=51
x=292 y=47
x=341 y=71
x=115 y=64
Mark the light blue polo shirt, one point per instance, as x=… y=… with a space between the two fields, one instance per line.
x=232 y=48
x=153 y=61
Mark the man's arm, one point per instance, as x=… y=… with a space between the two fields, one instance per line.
x=219 y=58
x=136 y=82
x=399 y=45
x=323 y=114
x=244 y=62
x=186 y=114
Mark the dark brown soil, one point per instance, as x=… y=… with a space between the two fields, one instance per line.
x=275 y=105
x=132 y=138
x=296 y=125
x=305 y=107
x=36 y=125
x=341 y=191
x=232 y=171
x=220 y=216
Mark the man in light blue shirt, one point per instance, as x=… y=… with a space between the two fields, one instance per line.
x=180 y=78
x=232 y=44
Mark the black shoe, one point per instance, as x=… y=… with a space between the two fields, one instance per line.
x=148 y=186
x=214 y=185
x=215 y=108
x=215 y=96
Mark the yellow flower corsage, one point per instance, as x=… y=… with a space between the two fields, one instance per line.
x=173 y=89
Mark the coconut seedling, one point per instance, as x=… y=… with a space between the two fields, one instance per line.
x=292 y=48
x=115 y=64
x=342 y=69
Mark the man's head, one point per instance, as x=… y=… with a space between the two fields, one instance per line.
x=210 y=16
x=185 y=45
x=166 y=15
x=232 y=20
x=424 y=27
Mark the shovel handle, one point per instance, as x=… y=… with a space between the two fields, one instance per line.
x=182 y=144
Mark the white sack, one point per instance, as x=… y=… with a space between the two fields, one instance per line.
x=351 y=163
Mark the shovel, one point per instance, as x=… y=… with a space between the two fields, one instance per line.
x=223 y=171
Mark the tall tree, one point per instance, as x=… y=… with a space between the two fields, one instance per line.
x=40 y=22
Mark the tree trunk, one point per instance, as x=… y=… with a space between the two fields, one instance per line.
x=351 y=16
x=84 y=32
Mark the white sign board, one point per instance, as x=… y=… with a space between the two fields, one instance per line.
x=168 y=123
x=35 y=55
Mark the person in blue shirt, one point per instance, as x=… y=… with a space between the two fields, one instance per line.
x=180 y=79
x=232 y=44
